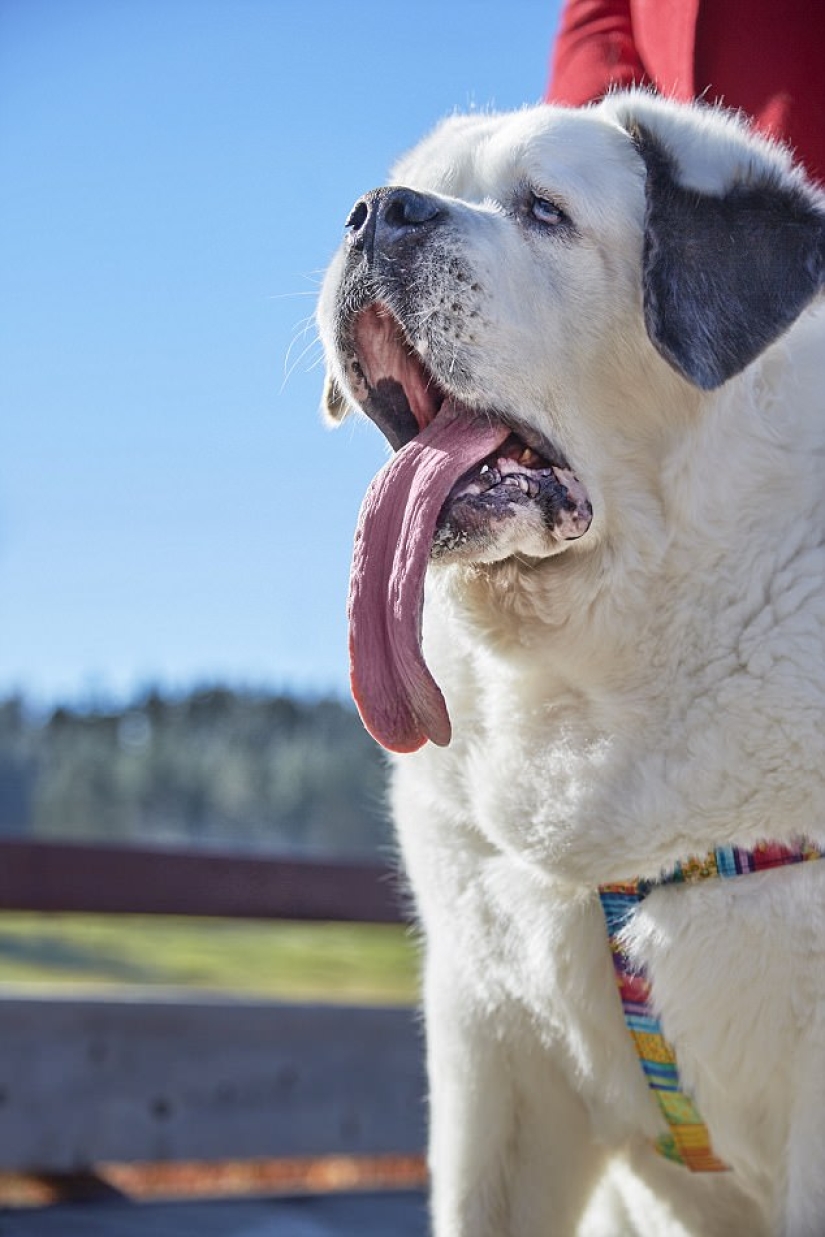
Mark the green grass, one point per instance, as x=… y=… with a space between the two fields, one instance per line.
x=359 y=963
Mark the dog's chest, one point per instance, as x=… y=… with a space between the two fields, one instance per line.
x=729 y=963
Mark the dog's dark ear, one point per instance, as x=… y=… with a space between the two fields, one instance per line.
x=724 y=276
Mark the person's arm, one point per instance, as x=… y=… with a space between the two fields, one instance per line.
x=594 y=50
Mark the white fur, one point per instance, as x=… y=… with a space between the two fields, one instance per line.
x=654 y=690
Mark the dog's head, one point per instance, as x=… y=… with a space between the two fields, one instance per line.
x=527 y=288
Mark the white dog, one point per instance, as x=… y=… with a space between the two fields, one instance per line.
x=592 y=338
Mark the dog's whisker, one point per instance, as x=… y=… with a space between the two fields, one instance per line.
x=290 y=365
x=288 y=296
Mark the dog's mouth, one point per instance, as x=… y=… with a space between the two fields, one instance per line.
x=463 y=485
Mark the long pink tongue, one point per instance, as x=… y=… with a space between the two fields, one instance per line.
x=398 y=699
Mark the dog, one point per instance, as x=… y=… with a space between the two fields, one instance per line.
x=587 y=610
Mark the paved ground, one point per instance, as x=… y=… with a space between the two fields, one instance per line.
x=391 y=1214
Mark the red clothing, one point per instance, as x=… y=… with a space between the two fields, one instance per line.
x=762 y=56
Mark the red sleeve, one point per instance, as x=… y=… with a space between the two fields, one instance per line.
x=594 y=49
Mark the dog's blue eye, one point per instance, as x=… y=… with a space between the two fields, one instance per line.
x=546 y=212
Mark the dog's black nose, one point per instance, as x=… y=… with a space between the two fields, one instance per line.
x=386 y=216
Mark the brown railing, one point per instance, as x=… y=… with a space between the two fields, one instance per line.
x=76 y=876
x=169 y=1078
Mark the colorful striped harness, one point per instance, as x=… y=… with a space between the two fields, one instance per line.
x=688 y=1142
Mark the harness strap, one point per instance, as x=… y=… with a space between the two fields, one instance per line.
x=688 y=1142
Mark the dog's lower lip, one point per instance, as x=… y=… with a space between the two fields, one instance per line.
x=515 y=483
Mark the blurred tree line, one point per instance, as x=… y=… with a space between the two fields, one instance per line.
x=215 y=768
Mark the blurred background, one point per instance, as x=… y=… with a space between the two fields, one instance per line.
x=175 y=520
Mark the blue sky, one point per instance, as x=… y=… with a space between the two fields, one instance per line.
x=175 y=176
